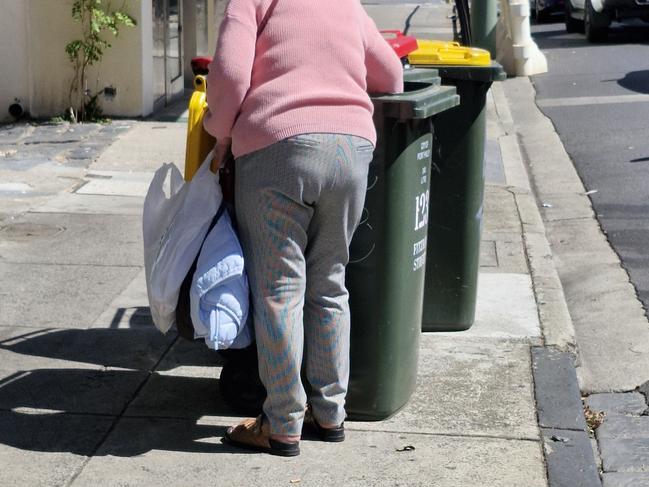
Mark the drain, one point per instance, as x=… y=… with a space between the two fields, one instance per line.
x=27 y=231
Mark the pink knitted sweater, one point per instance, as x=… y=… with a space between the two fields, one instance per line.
x=307 y=71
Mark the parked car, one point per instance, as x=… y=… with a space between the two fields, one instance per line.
x=593 y=17
x=542 y=10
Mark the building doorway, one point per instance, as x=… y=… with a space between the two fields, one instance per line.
x=167 y=52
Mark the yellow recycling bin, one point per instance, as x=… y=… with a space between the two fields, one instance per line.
x=199 y=142
x=456 y=185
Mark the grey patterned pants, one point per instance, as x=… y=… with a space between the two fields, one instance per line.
x=298 y=203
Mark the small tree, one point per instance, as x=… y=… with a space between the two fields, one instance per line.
x=96 y=18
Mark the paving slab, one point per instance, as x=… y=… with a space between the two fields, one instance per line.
x=116 y=128
x=86 y=152
x=625 y=455
x=22 y=158
x=145 y=147
x=45 y=449
x=117 y=183
x=558 y=399
x=511 y=255
x=63 y=133
x=498 y=403
x=507 y=254
x=623 y=479
x=130 y=309
x=182 y=396
x=488 y=256
x=599 y=295
x=495 y=317
x=191 y=359
x=61 y=238
x=12 y=133
x=500 y=212
x=566 y=206
x=44 y=182
x=185 y=385
x=156 y=451
x=61 y=296
x=494 y=170
x=616 y=427
x=78 y=391
x=470 y=387
x=93 y=204
x=28 y=348
x=570 y=459
x=617 y=403
x=578 y=241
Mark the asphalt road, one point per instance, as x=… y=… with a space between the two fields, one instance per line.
x=597 y=96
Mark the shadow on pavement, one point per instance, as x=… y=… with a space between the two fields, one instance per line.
x=554 y=36
x=135 y=348
x=637 y=81
x=87 y=435
x=177 y=111
x=129 y=402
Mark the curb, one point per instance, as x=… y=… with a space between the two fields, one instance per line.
x=567 y=447
x=556 y=323
x=596 y=287
x=569 y=454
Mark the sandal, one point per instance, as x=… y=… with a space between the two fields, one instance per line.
x=333 y=435
x=254 y=434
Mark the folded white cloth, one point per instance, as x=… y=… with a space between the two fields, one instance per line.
x=219 y=293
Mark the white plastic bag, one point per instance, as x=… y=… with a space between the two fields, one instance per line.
x=174 y=227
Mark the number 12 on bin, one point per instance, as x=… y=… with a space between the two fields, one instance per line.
x=421 y=210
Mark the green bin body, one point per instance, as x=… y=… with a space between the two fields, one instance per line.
x=385 y=275
x=456 y=201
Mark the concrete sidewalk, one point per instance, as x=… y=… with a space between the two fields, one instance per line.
x=92 y=394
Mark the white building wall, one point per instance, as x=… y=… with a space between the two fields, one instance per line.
x=145 y=27
x=125 y=66
x=14 y=73
x=217 y=13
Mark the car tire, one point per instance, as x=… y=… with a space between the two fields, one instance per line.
x=595 y=23
x=572 y=24
x=542 y=15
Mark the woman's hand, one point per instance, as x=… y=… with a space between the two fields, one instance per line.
x=220 y=153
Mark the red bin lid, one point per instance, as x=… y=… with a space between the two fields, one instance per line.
x=402 y=44
x=201 y=62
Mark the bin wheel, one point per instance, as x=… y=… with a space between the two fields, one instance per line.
x=241 y=388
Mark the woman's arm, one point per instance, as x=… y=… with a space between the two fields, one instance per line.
x=384 y=69
x=228 y=80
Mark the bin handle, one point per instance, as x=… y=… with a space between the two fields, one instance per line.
x=396 y=32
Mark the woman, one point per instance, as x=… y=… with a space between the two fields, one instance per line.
x=287 y=92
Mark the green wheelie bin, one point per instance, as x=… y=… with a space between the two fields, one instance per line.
x=385 y=276
x=457 y=187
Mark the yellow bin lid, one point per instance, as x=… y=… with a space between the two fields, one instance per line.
x=445 y=52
